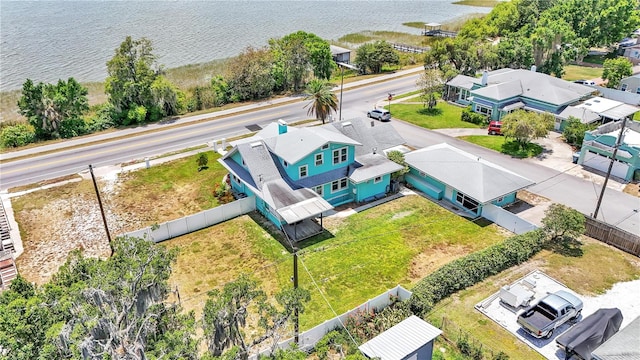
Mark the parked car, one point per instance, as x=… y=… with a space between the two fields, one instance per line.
x=586 y=82
x=553 y=310
x=494 y=128
x=380 y=114
x=591 y=332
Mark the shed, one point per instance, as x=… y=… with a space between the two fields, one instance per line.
x=340 y=54
x=623 y=345
x=411 y=339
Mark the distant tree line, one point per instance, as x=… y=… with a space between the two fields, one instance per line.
x=545 y=33
x=139 y=92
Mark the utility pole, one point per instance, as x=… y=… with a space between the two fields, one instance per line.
x=296 y=328
x=104 y=218
x=341 y=85
x=613 y=158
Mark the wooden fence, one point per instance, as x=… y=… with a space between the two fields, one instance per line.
x=613 y=236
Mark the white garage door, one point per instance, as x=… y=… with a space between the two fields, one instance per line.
x=601 y=163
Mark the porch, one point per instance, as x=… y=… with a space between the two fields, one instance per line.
x=303 y=229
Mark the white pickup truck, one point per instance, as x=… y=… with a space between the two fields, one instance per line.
x=541 y=319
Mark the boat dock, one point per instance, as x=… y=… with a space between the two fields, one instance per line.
x=435 y=29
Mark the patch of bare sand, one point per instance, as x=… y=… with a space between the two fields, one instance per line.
x=57 y=227
x=632 y=189
x=433 y=258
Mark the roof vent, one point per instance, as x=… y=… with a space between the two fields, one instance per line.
x=346 y=123
x=255 y=144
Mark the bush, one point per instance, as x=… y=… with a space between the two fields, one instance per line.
x=472 y=117
x=573 y=132
x=72 y=127
x=104 y=118
x=473 y=268
x=17 y=135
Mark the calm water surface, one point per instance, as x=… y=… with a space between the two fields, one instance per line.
x=48 y=40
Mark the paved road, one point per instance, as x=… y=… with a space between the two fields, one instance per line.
x=617 y=208
x=197 y=130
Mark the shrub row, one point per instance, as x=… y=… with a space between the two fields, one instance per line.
x=472 y=117
x=473 y=268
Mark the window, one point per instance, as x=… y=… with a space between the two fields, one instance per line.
x=467 y=202
x=623 y=87
x=339 y=185
x=324 y=147
x=377 y=179
x=243 y=163
x=303 y=171
x=339 y=155
x=483 y=110
x=236 y=179
x=500 y=199
x=319 y=159
x=285 y=163
x=464 y=94
x=318 y=189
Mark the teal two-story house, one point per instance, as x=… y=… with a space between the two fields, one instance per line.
x=296 y=174
x=502 y=91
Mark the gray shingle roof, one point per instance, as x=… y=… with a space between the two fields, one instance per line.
x=380 y=136
x=295 y=145
x=401 y=340
x=503 y=84
x=373 y=165
x=470 y=174
x=464 y=81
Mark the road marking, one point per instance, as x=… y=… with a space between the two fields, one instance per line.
x=157 y=140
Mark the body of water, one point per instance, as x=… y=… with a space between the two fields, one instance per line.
x=49 y=40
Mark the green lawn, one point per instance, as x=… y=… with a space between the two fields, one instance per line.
x=574 y=72
x=500 y=144
x=443 y=116
x=367 y=253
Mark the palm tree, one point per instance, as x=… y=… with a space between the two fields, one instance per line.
x=323 y=100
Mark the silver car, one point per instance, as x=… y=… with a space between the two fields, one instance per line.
x=380 y=114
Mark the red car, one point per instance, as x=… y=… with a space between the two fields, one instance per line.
x=494 y=128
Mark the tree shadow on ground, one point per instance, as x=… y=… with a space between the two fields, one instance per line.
x=513 y=148
x=430 y=112
x=566 y=246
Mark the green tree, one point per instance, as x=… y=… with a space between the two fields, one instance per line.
x=430 y=84
x=249 y=75
x=615 y=70
x=167 y=97
x=371 y=57
x=273 y=319
x=398 y=158
x=297 y=53
x=203 y=161
x=574 y=130
x=54 y=110
x=323 y=100
x=114 y=308
x=524 y=126
x=17 y=135
x=225 y=314
x=561 y=221
x=131 y=73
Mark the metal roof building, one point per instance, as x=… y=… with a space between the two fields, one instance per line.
x=411 y=338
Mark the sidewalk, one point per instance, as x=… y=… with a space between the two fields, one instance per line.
x=188 y=119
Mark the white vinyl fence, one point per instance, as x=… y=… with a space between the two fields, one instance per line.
x=201 y=220
x=309 y=338
x=507 y=220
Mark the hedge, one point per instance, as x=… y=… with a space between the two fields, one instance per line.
x=473 y=268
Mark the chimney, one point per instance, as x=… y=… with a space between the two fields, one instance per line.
x=534 y=68
x=485 y=78
x=282 y=127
